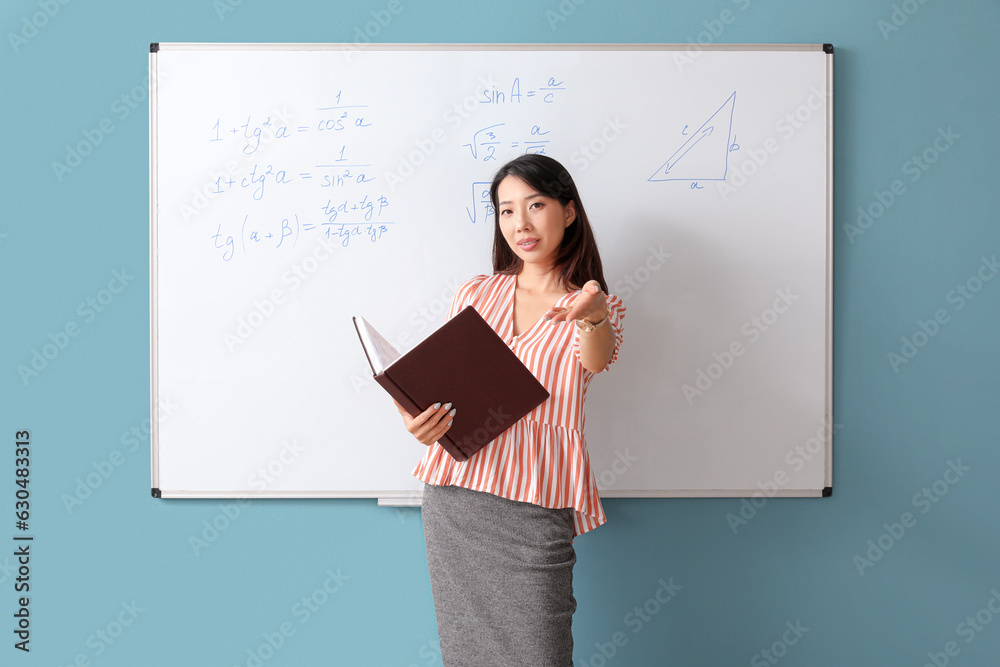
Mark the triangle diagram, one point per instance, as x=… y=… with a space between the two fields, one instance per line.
x=705 y=154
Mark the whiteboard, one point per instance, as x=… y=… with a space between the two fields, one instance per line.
x=293 y=186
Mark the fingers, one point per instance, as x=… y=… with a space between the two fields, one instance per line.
x=590 y=303
x=562 y=314
x=431 y=424
x=556 y=315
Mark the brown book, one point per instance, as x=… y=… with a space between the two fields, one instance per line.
x=464 y=362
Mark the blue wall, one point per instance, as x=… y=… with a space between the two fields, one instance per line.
x=898 y=564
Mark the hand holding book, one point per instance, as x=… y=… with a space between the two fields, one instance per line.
x=429 y=425
x=468 y=362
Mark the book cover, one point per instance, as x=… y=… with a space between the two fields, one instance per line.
x=463 y=362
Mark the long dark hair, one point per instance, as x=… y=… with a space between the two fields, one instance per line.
x=578 y=260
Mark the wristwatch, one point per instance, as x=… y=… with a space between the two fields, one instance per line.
x=587 y=326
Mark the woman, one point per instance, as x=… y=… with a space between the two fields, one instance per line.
x=499 y=527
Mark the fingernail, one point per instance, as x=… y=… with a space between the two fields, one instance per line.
x=437 y=405
x=447 y=405
x=449 y=423
x=452 y=413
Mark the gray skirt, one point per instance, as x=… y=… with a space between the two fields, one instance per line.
x=502 y=579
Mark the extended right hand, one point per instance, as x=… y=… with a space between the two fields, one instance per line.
x=429 y=425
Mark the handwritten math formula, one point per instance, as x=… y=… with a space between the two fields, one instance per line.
x=487 y=143
x=349 y=205
x=518 y=94
x=346 y=200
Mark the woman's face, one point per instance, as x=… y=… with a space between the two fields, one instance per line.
x=532 y=224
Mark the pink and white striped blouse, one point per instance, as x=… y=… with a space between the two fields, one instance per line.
x=543 y=458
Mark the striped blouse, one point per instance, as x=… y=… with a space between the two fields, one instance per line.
x=542 y=459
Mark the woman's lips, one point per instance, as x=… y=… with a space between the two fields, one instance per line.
x=527 y=244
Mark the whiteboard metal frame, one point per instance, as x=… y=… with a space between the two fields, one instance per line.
x=405 y=498
x=154 y=392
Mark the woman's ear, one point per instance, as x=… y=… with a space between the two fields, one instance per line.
x=570 y=212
